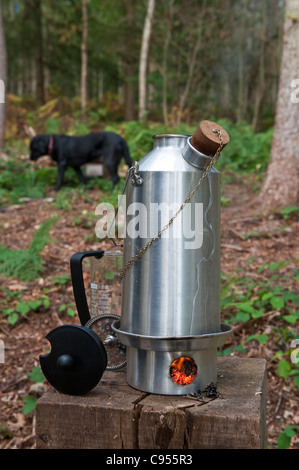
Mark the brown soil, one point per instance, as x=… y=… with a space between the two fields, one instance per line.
x=25 y=341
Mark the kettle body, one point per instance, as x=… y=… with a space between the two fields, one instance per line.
x=170 y=316
x=173 y=288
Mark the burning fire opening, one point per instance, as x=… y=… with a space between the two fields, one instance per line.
x=183 y=370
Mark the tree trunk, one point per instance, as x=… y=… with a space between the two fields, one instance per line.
x=84 y=59
x=260 y=89
x=241 y=31
x=192 y=63
x=168 y=22
x=2 y=82
x=40 y=91
x=129 y=65
x=100 y=85
x=143 y=58
x=129 y=92
x=280 y=187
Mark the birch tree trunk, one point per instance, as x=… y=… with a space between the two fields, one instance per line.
x=280 y=187
x=143 y=58
x=83 y=86
x=2 y=82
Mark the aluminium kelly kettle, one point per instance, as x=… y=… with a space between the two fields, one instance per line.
x=170 y=301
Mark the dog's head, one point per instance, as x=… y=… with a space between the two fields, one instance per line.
x=39 y=146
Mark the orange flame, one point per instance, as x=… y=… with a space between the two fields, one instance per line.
x=183 y=370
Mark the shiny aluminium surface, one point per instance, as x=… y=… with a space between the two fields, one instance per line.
x=149 y=371
x=173 y=289
x=171 y=293
x=168 y=343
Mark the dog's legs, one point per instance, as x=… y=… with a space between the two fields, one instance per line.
x=113 y=174
x=61 y=171
x=80 y=175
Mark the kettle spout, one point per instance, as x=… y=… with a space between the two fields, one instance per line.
x=204 y=143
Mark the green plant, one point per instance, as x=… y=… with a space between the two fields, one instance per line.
x=53 y=125
x=18 y=179
x=251 y=234
x=244 y=298
x=107 y=193
x=96 y=116
x=63 y=200
x=27 y=264
x=267 y=302
x=68 y=309
x=23 y=308
x=46 y=176
x=284 y=439
x=288 y=211
x=62 y=279
x=80 y=128
x=288 y=364
x=247 y=300
x=36 y=376
x=139 y=136
x=247 y=151
x=225 y=201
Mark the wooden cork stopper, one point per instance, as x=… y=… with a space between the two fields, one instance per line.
x=206 y=138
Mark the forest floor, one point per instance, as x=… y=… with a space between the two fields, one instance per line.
x=25 y=340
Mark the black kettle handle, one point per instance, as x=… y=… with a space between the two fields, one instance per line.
x=78 y=282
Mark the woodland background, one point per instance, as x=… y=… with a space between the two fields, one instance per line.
x=216 y=58
x=141 y=68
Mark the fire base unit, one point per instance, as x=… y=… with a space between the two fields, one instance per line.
x=172 y=366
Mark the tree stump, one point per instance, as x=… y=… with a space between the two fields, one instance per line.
x=116 y=416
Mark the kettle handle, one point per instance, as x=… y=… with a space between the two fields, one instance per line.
x=78 y=282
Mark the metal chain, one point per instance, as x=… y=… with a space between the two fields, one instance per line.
x=142 y=250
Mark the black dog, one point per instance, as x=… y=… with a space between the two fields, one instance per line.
x=77 y=151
